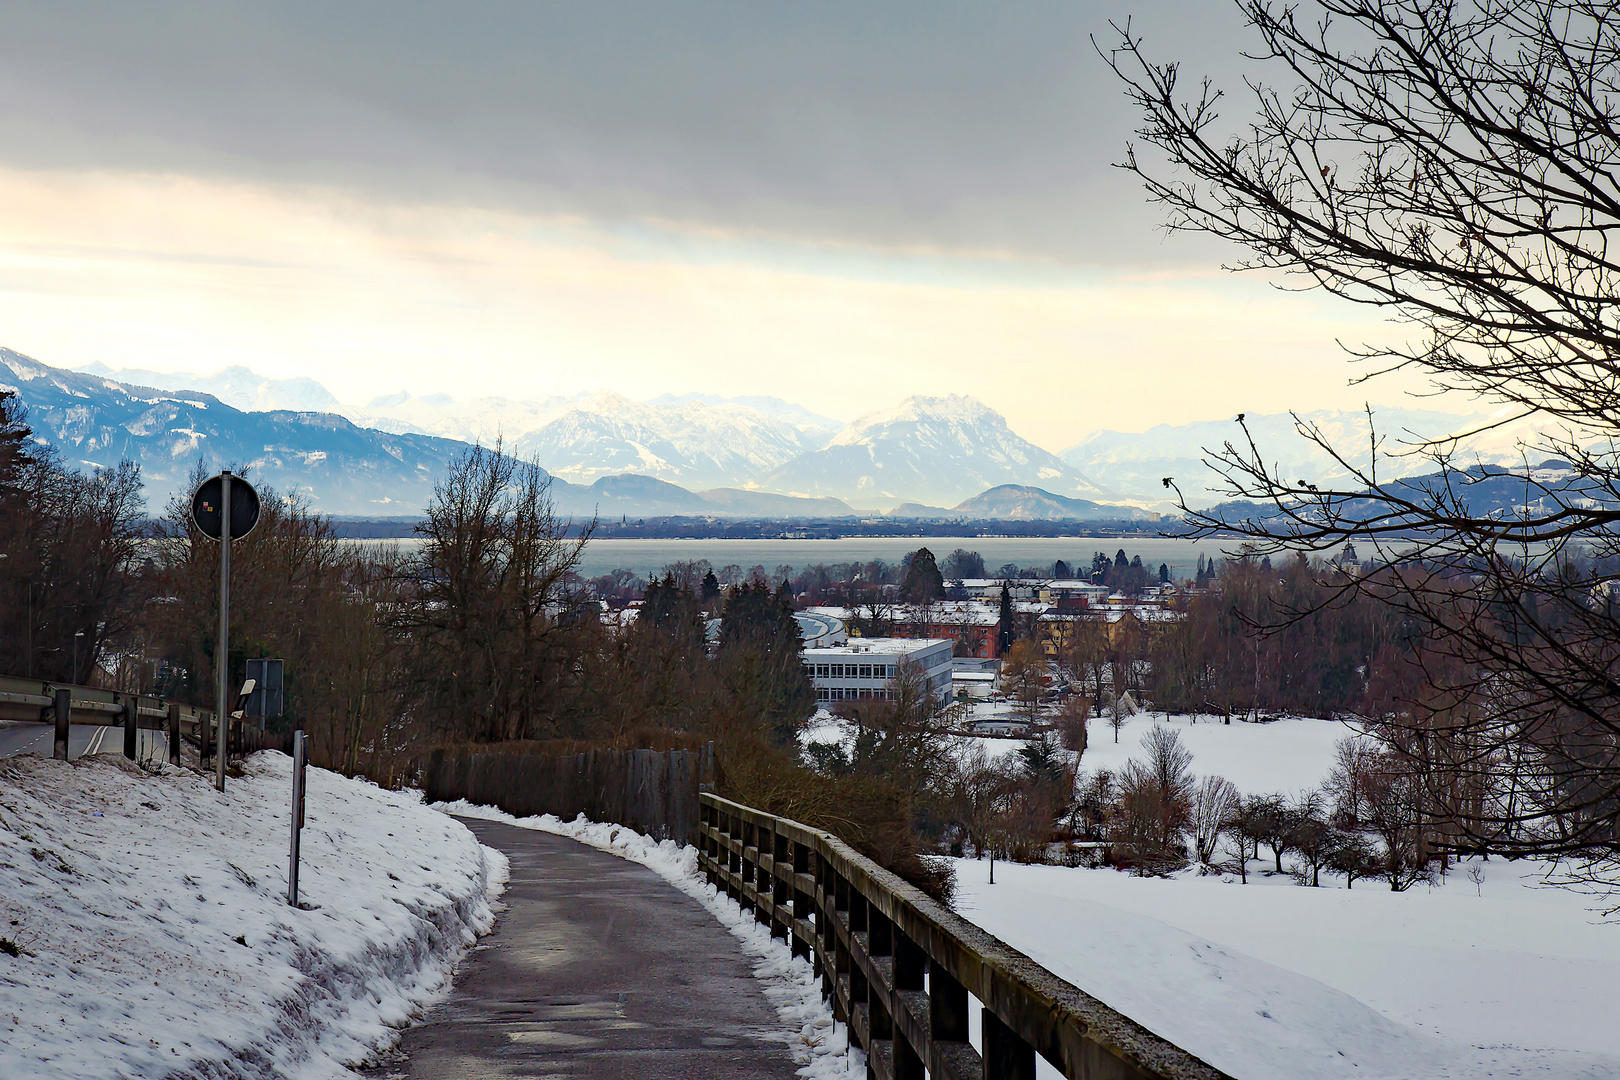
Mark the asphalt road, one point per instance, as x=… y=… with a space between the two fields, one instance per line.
x=20 y=738
x=598 y=970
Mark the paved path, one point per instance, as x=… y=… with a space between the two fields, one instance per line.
x=24 y=738
x=598 y=969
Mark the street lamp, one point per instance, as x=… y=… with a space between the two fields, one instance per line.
x=73 y=676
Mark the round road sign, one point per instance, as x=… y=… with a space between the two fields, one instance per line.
x=206 y=504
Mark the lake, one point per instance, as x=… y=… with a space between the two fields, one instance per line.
x=648 y=556
x=644 y=557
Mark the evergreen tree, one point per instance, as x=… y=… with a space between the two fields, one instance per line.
x=711 y=586
x=1164 y=573
x=759 y=656
x=1007 y=634
x=923 y=583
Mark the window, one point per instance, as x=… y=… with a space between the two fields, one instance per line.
x=821 y=695
x=866 y=671
x=821 y=671
x=880 y=671
x=838 y=671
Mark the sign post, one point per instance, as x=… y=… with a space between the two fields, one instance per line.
x=225 y=507
x=297 y=815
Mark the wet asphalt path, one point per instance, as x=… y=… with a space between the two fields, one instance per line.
x=24 y=738
x=597 y=970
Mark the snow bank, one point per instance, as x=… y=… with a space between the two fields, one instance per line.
x=1286 y=756
x=1275 y=980
x=819 y=1043
x=152 y=937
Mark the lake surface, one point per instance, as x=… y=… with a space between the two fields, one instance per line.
x=648 y=556
x=644 y=557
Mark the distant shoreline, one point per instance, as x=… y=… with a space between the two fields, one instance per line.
x=690 y=528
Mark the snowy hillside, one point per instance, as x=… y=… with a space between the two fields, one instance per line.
x=932 y=450
x=144 y=927
x=1277 y=981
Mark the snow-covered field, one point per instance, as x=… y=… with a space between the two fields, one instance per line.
x=146 y=931
x=1273 y=980
x=818 y=1043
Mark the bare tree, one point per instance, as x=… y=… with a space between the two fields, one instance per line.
x=1214 y=802
x=1455 y=165
x=1156 y=798
x=487 y=607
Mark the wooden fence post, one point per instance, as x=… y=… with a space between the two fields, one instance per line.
x=64 y=715
x=174 y=733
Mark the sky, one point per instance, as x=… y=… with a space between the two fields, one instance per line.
x=840 y=204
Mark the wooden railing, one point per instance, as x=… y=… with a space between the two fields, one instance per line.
x=899 y=967
x=64 y=705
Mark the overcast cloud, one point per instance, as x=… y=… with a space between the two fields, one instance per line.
x=931 y=125
x=841 y=204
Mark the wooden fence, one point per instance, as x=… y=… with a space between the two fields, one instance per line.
x=899 y=968
x=61 y=704
x=651 y=791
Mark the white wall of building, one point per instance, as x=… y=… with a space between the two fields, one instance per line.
x=866 y=667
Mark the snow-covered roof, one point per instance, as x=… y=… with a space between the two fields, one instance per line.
x=876 y=646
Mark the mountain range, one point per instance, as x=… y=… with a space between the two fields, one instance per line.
x=338 y=466
x=941 y=457
x=1135 y=464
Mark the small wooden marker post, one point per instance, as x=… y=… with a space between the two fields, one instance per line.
x=174 y=733
x=297 y=815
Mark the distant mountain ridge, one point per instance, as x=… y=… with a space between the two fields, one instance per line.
x=938 y=450
x=1014 y=502
x=1135 y=464
x=236 y=386
x=338 y=466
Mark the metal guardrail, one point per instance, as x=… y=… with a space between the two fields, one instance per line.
x=898 y=966
x=65 y=704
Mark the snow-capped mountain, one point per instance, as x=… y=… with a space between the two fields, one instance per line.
x=936 y=450
x=236 y=386
x=691 y=443
x=1136 y=463
x=339 y=467
x=697 y=440
x=480 y=419
x=797 y=415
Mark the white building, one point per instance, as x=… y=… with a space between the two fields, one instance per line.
x=866 y=667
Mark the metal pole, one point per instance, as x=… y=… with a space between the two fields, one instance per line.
x=297 y=815
x=132 y=719
x=222 y=650
x=63 y=704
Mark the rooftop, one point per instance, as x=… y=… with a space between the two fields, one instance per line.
x=879 y=646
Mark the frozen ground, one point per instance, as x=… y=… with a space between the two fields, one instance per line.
x=146 y=931
x=1273 y=980
x=819 y=1044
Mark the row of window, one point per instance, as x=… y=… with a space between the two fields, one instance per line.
x=836 y=694
x=854 y=671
